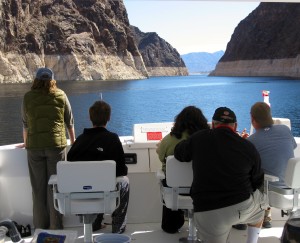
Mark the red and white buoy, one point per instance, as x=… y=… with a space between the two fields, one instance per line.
x=265 y=94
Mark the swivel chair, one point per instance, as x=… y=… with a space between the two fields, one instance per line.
x=85 y=188
x=176 y=195
x=285 y=198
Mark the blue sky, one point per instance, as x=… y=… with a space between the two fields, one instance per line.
x=189 y=26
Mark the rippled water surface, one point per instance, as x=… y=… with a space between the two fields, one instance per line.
x=159 y=100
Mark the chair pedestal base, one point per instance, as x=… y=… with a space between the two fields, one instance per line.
x=192 y=237
x=88 y=233
x=87 y=220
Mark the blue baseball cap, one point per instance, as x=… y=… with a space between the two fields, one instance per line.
x=44 y=74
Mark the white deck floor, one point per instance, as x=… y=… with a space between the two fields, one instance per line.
x=152 y=233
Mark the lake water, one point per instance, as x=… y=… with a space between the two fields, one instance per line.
x=159 y=99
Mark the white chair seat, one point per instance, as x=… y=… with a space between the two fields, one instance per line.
x=284 y=202
x=282 y=198
x=179 y=177
x=91 y=206
x=287 y=198
x=85 y=188
x=183 y=202
x=86 y=176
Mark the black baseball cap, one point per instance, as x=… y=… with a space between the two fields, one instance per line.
x=224 y=115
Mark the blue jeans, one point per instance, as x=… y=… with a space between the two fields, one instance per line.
x=41 y=165
x=119 y=216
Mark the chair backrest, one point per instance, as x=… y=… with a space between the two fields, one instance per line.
x=282 y=121
x=178 y=174
x=292 y=173
x=86 y=176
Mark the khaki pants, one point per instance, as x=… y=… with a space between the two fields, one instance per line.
x=214 y=226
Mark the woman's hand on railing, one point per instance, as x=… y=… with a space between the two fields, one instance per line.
x=21 y=145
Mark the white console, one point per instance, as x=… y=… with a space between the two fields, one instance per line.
x=142 y=162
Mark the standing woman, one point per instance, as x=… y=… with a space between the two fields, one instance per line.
x=187 y=122
x=46 y=113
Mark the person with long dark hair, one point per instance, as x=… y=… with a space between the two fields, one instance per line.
x=187 y=122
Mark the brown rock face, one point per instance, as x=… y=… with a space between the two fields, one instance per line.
x=78 y=39
x=266 y=43
x=43 y=26
x=158 y=55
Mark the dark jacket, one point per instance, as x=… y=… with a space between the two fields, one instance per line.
x=226 y=168
x=99 y=144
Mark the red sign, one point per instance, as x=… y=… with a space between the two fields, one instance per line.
x=154 y=136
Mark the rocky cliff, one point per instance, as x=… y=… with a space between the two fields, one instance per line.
x=78 y=39
x=159 y=56
x=266 y=43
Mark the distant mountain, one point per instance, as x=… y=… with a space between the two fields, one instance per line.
x=201 y=62
x=159 y=57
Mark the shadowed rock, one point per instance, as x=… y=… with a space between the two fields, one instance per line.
x=158 y=55
x=266 y=43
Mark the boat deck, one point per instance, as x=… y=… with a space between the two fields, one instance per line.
x=144 y=210
x=151 y=232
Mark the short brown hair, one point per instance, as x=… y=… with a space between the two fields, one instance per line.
x=261 y=113
x=100 y=113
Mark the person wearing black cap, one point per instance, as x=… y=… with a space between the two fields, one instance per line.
x=46 y=113
x=226 y=177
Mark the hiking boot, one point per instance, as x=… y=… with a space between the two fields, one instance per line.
x=267 y=223
x=240 y=226
x=267 y=219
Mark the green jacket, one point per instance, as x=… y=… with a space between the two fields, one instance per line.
x=45 y=118
x=167 y=146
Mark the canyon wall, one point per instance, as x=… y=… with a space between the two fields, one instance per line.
x=266 y=43
x=77 y=39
